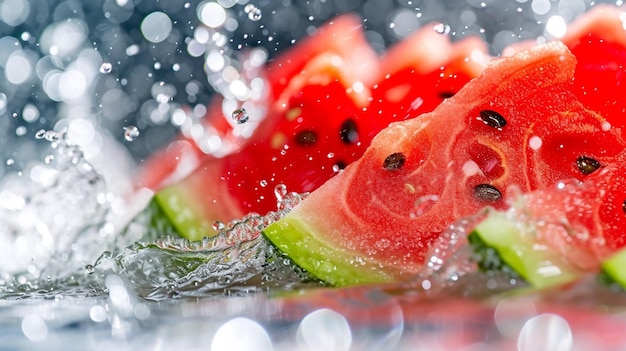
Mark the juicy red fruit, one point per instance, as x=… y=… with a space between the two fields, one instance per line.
x=323 y=131
x=320 y=119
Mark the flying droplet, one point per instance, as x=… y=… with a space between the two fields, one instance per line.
x=442 y=28
x=40 y=134
x=240 y=115
x=254 y=13
x=130 y=133
x=218 y=225
x=90 y=268
x=106 y=68
x=280 y=191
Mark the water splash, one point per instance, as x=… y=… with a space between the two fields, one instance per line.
x=50 y=218
x=239 y=260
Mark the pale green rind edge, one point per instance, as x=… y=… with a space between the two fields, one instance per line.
x=510 y=239
x=178 y=209
x=332 y=265
x=615 y=268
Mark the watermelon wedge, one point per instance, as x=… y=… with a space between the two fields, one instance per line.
x=518 y=124
x=557 y=234
x=321 y=117
x=598 y=40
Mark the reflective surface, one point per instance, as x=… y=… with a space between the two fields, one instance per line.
x=363 y=318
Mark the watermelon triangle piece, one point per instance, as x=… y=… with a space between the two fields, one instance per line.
x=516 y=124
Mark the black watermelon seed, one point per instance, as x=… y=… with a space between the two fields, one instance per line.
x=492 y=118
x=394 y=161
x=446 y=94
x=624 y=206
x=348 y=132
x=487 y=192
x=587 y=165
x=306 y=138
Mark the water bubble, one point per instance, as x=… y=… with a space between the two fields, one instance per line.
x=442 y=28
x=156 y=27
x=106 y=68
x=254 y=13
x=263 y=183
x=218 y=225
x=423 y=205
x=40 y=134
x=240 y=115
x=10 y=162
x=130 y=133
x=48 y=159
x=280 y=191
x=90 y=268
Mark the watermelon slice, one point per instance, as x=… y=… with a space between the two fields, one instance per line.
x=612 y=270
x=320 y=120
x=598 y=40
x=517 y=124
x=555 y=235
x=342 y=39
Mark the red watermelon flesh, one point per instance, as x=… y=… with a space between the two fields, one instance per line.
x=324 y=118
x=555 y=235
x=598 y=40
x=517 y=124
x=590 y=219
x=341 y=38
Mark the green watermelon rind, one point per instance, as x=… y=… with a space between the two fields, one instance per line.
x=613 y=270
x=514 y=251
x=334 y=266
x=187 y=224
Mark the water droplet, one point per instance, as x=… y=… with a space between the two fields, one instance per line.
x=106 y=68
x=339 y=166
x=280 y=191
x=254 y=13
x=40 y=134
x=90 y=268
x=10 y=162
x=240 y=115
x=263 y=183
x=224 y=280
x=218 y=225
x=442 y=28
x=423 y=204
x=130 y=133
x=21 y=131
x=48 y=159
